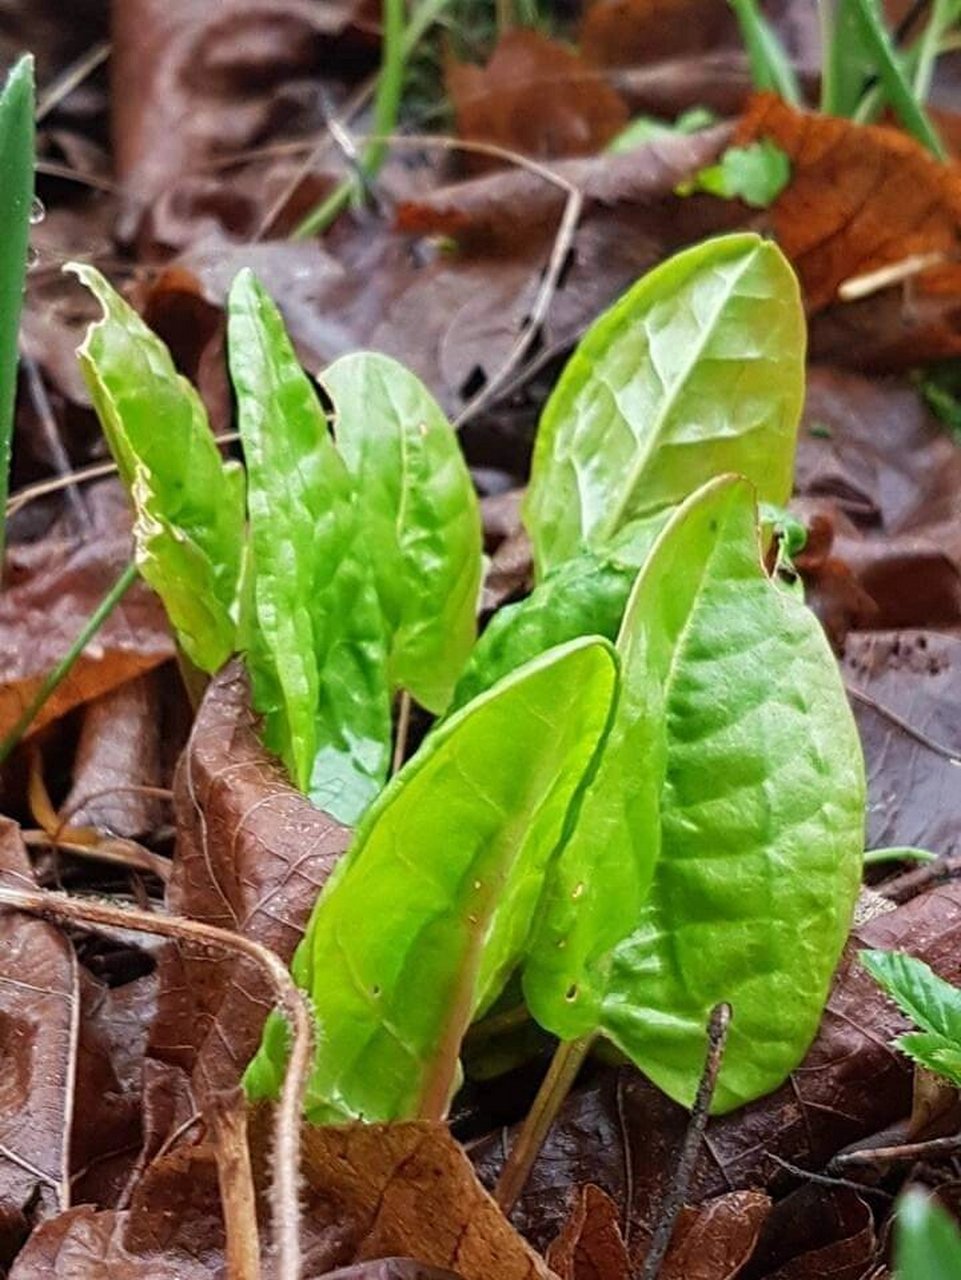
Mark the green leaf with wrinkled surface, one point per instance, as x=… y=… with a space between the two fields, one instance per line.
x=420 y=516
x=933 y=1004
x=317 y=654
x=430 y=910
x=16 y=194
x=927 y=1243
x=189 y=503
x=696 y=370
x=760 y=784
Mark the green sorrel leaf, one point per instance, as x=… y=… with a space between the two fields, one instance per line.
x=697 y=370
x=430 y=910
x=189 y=503
x=420 y=517
x=316 y=648
x=756 y=769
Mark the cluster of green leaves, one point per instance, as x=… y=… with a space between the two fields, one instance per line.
x=639 y=828
x=864 y=71
x=16 y=197
x=931 y=1003
x=344 y=567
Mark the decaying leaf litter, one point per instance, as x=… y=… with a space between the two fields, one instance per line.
x=499 y=227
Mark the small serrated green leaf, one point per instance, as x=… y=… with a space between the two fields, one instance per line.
x=188 y=503
x=318 y=646
x=933 y=1052
x=757 y=770
x=696 y=370
x=430 y=910
x=420 y=516
x=932 y=1003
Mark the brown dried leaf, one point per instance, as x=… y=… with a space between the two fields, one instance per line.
x=52 y=587
x=624 y=32
x=624 y=1135
x=39 y=1014
x=715 y=1240
x=535 y=96
x=860 y=197
x=252 y=855
x=590 y=1245
x=817 y=1233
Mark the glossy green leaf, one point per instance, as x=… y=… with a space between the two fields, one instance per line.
x=696 y=370
x=930 y=1002
x=189 y=503
x=420 y=516
x=757 y=769
x=927 y=1243
x=317 y=653
x=16 y=195
x=431 y=908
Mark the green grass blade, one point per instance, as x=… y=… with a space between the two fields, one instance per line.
x=944 y=15
x=16 y=195
x=890 y=70
x=770 y=65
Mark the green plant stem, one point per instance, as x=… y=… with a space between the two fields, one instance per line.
x=878 y=857
x=62 y=669
x=944 y=14
x=386 y=106
x=566 y=1063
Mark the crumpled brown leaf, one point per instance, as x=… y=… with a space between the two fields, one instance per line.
x=51 y=588
x=623 y=1134
x=537 y=96
x=716 y=1239
x=628 y=32
x=590 y=1245
x=860 y=197
x=914 y=795
x=39 y=1019
x=252 y=855
x=816 y=1233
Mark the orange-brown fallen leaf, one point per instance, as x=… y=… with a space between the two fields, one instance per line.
x=861 y=197
x=590 y=1245
x=631 y=32
x=536 y=96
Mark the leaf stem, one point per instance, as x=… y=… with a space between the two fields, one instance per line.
x=878 y=857
x=55 y=677
x=403 y=729
x=561 y=1074
x=386 y=106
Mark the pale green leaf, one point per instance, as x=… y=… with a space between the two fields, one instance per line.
x=771 y=68
x=317 y=654
x=759 y=780
x=431 y=908
x=935 y=1005
x=927 y=1244
x=188 y=503
x=696 y=370
x=933 y=1052
x=420 y=516
x=756 y=174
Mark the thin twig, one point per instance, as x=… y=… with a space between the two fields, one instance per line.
x=717 y=1029
x=133 y=789
x=48 y=424
x=403 y=728
x=900 y=1153
x=561 y=1074
x=71 y=78
x=289 y=1000
x=227 y=1115
x=51 y=169
x=908 y=885
x=825 y=1180
x=62 y=669
x=905 y=726
x=112 y=849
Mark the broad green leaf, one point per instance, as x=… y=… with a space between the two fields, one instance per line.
x=420 y=516
x=771 y=68
x=431 y=908
x=757 y=769
x=696 y=370
x=318 y=651
x=927 y=1244
x=188 y=503
x=16 y=195
x=932 y=1003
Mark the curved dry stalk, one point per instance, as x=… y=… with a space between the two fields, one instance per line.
x=905 y=726
x=285 y=1202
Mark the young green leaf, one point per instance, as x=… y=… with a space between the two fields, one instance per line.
x=420 y=516
x=932 y=1003
x=756 y=174
x=696 y=370
x=927 y=1244
x=770 y=66
x=317 y=651
x=645 y=129
x=430 y=910
x=188 y=503
x=16 y=194
x=759 y=784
